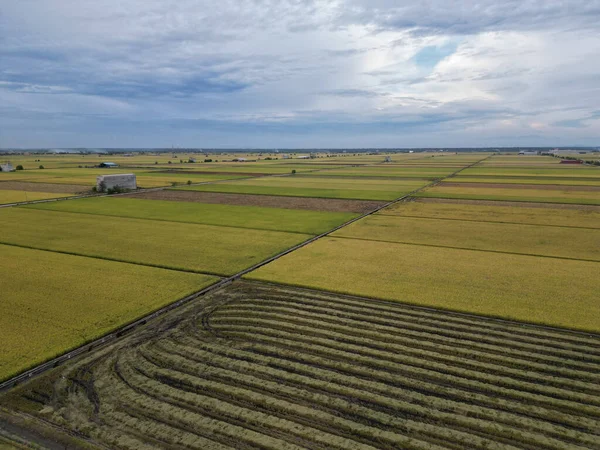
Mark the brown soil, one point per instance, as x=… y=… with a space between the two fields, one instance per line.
x=206 y=172
x=273 y=201
x=557 y=187
x=44 y=187
x=506 y=203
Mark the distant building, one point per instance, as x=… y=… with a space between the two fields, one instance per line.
x=303 y=157
x=108 y=165
x=528 y=153
x=239 y=159
x=120 y=181
x=387 y=159
x=8 y=167
x=192 y=160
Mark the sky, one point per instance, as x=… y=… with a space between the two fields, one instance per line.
x=299 y=74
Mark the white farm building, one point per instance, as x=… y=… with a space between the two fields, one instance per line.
x=120 y=181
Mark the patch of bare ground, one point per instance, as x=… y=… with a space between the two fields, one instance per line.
x=44 y=187
x=545 y=187
x=207 y=172
x=506 y=203
x=272 y=201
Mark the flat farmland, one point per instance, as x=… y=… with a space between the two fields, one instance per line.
x=13 y=196
x=270 y=367
x=532 y=194
x=555 y=171
x=525 y=239
x=574 y=217
x=323 y=187
x=278 y=219
x=54 y=302
x=174 y=245
x=385 y=171
x=527 y=288
x=525 y=180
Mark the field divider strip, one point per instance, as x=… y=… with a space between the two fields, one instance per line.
x=107 y=258
x=487 y=221
x=114 y=335
x=464 y=248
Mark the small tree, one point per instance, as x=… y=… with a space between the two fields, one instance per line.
x=19 y=167
x=293 y=171
x=41 y=167
x=189 y=181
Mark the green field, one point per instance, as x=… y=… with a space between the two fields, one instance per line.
x=54 y=302
x=510 y=194
x=588 y=217
x=556 y=171
x=185 y=246
x=12 y=196
x=324 y=187
x=525 y=180
x=548 y=291
x=385 y=171
x=500 y=237
x=278 y=219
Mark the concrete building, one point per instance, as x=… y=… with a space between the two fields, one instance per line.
x=8 y=167
x=108 y=165
x=120 y=181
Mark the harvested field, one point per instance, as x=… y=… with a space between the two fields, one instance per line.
x=263 y=367
x=560 y=187
x=43 y=187
x=507 y=203
x=11 y=196
x=208 y=172
x=272 y=201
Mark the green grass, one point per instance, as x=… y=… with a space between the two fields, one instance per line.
x=527 y=288
x=510 y=194
x=184 y=246
x=392 y=171
x=12 y=196
x=54 y=302
x=278 y=219
x=500 y=237
x=586 y=218
x=324 y=187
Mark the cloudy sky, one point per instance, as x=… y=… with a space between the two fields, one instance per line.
x=294 y=73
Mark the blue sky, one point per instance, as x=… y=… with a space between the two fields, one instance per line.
x=250 y=73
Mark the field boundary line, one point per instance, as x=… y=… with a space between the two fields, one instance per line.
x=117 y=333
x=418 y=307
x=464 y=248
x=488 y=221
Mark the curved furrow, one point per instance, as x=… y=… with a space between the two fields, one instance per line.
x=457 y=378
x=513 y=330
x=148 y=398
x=400 y=323
x=448 y=433
x=381 y=357
x=319 y=372
x=249 y=407
x=411 y=341
x=392 y=405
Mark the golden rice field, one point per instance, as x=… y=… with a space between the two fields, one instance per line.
x=174 y=245
x=517 y=195
x=586 y=217
x=524 y=239
x=53 y=302
x=527 y=288
x=12 y=196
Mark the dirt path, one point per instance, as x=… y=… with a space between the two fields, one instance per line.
x=306 y=203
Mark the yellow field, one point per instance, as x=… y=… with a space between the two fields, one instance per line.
x=588 y=217
x=532 y=289
x=10 y=196
x=510 y=194
x=53 y=302
x=500 y=237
